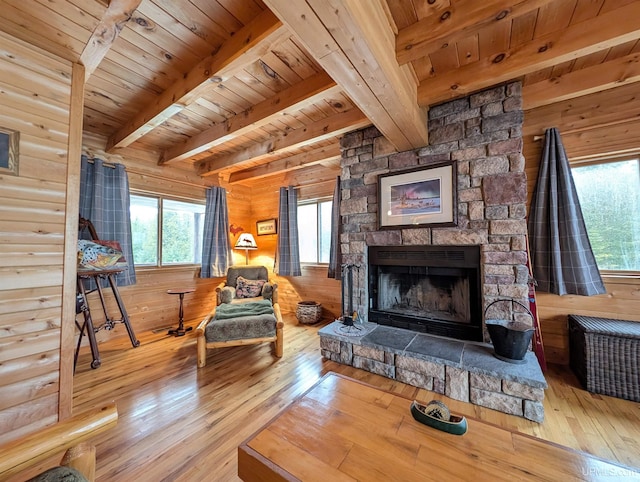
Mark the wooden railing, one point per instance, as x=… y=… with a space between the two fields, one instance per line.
x=69 y=436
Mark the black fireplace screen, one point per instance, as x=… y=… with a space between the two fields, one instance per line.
x=424 y=292
x=427 y=289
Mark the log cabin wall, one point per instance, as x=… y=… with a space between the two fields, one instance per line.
x=316 y=182
x=600 y=124
x=35 y=99
x=147 y=303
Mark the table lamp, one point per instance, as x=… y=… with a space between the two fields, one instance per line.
x=245 y=241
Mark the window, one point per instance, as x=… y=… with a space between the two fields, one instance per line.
x=314 y=231
x=166 y=230
x=609 y=196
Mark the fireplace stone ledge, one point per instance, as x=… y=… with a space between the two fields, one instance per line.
x=463 y=370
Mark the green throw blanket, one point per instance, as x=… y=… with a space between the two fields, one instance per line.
x=234 y=310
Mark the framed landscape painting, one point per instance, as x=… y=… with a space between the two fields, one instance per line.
x=424 y=196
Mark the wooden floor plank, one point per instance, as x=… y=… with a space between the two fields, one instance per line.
x=179 y=423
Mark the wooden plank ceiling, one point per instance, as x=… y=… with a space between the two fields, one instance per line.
x=244 y=89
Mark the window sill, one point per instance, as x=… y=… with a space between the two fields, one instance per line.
x=619 y=278
x=182 y=267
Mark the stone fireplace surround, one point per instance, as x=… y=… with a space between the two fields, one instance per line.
x=483 y=133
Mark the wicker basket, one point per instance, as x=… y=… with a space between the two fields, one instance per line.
x=309 y=312
x=605 y=355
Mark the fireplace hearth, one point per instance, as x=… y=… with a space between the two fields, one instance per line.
x=427 y=289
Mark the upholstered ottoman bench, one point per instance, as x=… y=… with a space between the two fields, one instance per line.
x=605 y=355
x=234 y=324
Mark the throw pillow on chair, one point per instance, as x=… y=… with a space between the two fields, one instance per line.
x=249 y=288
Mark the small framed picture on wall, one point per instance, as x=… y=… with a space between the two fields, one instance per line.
x=9 y=142
x=267 y=226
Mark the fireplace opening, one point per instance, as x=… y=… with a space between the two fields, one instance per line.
x=429 y=289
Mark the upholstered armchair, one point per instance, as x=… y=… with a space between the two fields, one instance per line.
x=246 y=284
x=246 y=313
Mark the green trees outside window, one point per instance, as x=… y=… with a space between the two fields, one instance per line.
x=609 y=196
x=178 y=224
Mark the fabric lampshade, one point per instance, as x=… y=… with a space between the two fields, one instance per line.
x=246 y=241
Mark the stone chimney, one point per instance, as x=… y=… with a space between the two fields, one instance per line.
x=483 y=133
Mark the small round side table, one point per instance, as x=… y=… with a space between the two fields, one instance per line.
x=181 y=330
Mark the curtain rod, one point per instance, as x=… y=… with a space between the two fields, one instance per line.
x=588 y=128
x=310 y=184
x=142 y=173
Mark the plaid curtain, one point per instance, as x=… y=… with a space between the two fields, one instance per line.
x=104 y=200
x=335 y=254
x=561 y=255
x=216 y=252
x=288 y=253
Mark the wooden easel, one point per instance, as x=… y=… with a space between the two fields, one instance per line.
x=82 y=305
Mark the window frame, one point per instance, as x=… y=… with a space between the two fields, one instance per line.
x=608 y=274
x=317 y=202
x=160 y=206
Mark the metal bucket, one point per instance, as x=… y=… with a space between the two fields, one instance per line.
x=510 y=339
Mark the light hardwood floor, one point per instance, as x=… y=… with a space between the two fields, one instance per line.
x=177 y=423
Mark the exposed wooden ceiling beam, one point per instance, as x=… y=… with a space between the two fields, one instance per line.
x=323 y=129
x=607 y=75
x=106 y=32
x=354 y=42
x=294 y=98
x=297 y=161
x=607 y=30
x=245 y=47
x=451 y=23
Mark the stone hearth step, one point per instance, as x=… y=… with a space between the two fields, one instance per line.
x=462 y=370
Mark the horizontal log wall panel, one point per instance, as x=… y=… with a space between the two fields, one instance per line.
x=28 y=389
x=610 y=106
x=31 y=276
x=29 y=299
x=35 y=100
x=30 y=254
x=46 y=130
x=19 y=346
x=147 y=303
x=26 y=189
x=34 y=211
x=313 y=284
x=592 y=125
x=28 y=417
x=34 y=166
x=22 y=323
x=612 y=139
x=20 y=98
x=14 y=370
x=149 y=306
x=12 y=232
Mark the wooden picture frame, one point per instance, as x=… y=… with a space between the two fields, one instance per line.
x=9 y=151
x=267 y=226
x=419 y=197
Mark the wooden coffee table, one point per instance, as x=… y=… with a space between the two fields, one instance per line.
x=344 y=430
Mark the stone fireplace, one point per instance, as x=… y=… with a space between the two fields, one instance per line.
x=424 y=289
x=483 y=134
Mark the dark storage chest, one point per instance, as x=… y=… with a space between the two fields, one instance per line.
x=605 y=355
